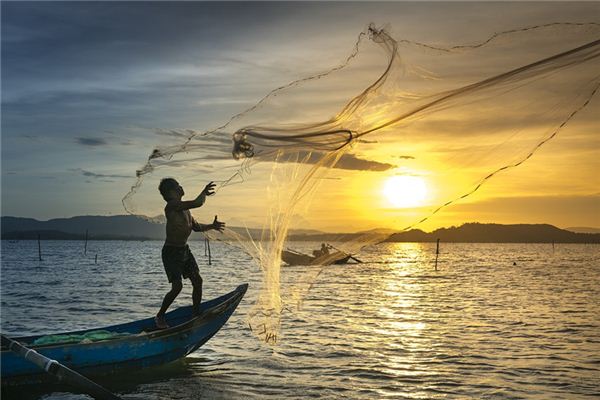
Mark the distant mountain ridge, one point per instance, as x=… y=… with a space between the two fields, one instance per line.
x=497 y=233
x=130 y=227
x=583 y=229
x=117 y=227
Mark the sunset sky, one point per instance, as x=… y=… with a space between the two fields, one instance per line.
x=89 y=89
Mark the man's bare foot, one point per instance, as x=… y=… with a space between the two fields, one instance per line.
x=161 y=322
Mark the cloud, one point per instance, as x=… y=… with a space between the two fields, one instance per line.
x=90 y=174
x=94 y=142
x=347 y=161
x=351 y=162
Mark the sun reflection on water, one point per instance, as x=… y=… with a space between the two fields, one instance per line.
x=404 y=323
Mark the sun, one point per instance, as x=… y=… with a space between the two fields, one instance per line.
x=405 y=191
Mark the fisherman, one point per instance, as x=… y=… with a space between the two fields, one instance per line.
x=322 y=252
x=177 y=258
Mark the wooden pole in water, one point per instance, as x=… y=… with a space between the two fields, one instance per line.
x=39 y=248
x=96 y=259
x=85 y=245
x=64 y=374
x=437 y=253
x=209 y=256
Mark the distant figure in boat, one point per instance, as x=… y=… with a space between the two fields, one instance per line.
x=322 y=252
x=177 y=258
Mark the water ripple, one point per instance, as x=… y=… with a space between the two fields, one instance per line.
x=393 y=327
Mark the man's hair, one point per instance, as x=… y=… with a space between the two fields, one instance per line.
x=166 y=185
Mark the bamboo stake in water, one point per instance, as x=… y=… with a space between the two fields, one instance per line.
x=39 y=248
x=85 y=245
x=209 y=256
x=437 y=253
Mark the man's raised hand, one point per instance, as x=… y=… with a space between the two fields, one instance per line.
x=209 y=190
x=218 y=225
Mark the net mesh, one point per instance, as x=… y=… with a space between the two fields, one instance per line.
x=452 y=116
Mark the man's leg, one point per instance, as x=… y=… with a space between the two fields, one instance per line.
x=196 y=293
x=193 y=273
x=176 y=286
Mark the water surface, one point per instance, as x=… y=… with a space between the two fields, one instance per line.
x=392 y=327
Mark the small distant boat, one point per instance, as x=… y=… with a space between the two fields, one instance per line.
x=140 y=346
x=292 y=257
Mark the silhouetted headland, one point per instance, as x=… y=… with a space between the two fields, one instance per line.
x=497 y=233
x=129 y=227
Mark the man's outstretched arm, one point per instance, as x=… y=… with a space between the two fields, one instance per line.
x=216 y=225
x=178 y=205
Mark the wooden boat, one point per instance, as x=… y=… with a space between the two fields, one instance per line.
x=144 y=346
x=296 y=258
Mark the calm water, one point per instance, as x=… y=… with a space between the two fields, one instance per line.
x=479 y=327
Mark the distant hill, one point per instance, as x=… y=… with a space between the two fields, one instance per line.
x=129 y=227
x=118 y=227
x=472 y=233
x=496 y=233
x=583 y=229
x=58 y=235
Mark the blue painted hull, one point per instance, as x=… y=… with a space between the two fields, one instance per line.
x=144 y=347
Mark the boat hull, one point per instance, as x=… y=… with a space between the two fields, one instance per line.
x=291 y=258
x=144 y=347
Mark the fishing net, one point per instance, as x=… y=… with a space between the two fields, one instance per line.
x=315 y=153
x=87 y=337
